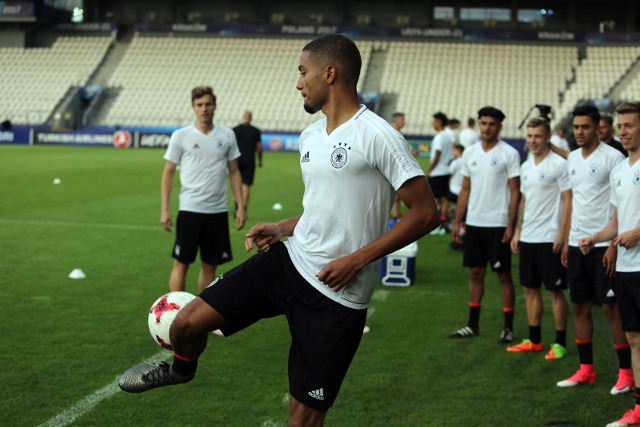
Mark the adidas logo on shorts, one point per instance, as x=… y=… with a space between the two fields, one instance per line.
x=317 y=394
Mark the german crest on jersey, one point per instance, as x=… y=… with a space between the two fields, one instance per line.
x=340 y=156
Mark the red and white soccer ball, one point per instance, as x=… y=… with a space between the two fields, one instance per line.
x=162 y=313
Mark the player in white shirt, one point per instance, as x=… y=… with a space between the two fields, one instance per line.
x=469 y=136
x=441 y=154
x=624 y=231
x=590 y=276
x=490 y=196
x=322 y=279
x=455 y=185
x=541 y=237
x=205 y=152
x=455 y=170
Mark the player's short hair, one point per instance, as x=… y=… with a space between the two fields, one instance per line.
x=607 y=118
x=491 y=112
x=200 y=91
x=471 y=122
x=454 y=121
x=442 y=117
x=397 y=115
x=458 y=146
x=629 y=107
x=587 y=110
x=339 y=49
x=536 y=122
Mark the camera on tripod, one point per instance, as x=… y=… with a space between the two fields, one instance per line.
x=545 y=111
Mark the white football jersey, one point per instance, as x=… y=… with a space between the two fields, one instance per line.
x=592 y=208
x=541 y=186
x=443 y=142
x=203 y=166
x=490 y=172
x=625 y=195
x=350 y=178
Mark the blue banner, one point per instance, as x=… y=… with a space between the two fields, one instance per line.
x=15 y=136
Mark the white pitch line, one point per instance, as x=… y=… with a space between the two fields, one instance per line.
x=48 y=223
x=70 y=415
x=78 y=224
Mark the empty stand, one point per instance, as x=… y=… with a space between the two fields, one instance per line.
x=157 y=73
x=598 y=73
x=460 y=78
x=156 y=76
x=34 y=80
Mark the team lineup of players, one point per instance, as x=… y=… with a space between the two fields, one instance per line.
x=569 y=215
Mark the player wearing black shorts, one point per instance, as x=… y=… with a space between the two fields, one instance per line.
x=441 y=155
x=204 y=152
x=323 y=276
x=624 y=231
x=489 y=197
x=249 y=140
x=590 y=275
x=541 y=237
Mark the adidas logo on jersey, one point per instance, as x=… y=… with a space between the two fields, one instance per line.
x=317 y=394
x=474 y=163
x=305 y=158
x=573 y=172
x=225 y=255
x=610 y=293
x=196 y=146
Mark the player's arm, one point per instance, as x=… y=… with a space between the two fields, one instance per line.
x=265 y=234
x=434 y=162
x=628 y=239
x=166 y=186
x=609 y=232
x=559 y=151
x=461 y=208
x=259 y=151
x=235 y=179
x=561 y=242
x=515 y=240
x=514 y=202
x=422 y=217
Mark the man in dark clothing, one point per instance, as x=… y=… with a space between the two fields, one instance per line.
x=605 y=133
x=249 y=142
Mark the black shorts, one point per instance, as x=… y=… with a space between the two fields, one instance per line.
x=484 y=244
x=627 y=288
x=247 y=172
x=587 y=277
x=209 y=232
x=439 y=185
x=538 y=264
x=325 y=334
x=453 y=198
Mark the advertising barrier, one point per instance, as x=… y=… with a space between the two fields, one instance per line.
x=159 y=138
x=73 y=138
x=15 y=136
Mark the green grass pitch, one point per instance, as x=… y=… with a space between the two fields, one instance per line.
x=65 y=341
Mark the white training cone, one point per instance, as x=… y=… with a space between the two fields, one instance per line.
x=277 y=207
x=57 y=181
x=77 y=274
